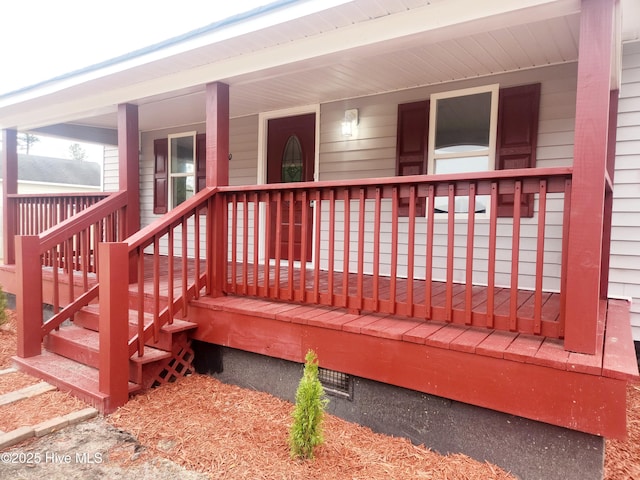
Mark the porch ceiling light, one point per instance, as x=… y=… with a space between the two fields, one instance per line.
x=350 y=122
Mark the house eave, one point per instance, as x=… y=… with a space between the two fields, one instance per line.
x=143 y=78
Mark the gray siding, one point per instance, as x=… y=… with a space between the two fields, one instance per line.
x=624 y=273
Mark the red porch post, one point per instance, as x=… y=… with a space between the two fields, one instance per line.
x=129 y=173
x=589 y=167
x=217 y=129
x=28 y=296
x=10 y=186
x=608 y=197
x=113 y=326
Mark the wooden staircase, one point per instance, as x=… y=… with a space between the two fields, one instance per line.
x=71 y=354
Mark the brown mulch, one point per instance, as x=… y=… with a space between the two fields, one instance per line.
x=30 y=411
x=34 y=410
x=230 y=432
x=8 y=340
x=622 y=459
x=10 y=382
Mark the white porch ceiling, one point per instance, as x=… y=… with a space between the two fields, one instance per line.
x=356 y=49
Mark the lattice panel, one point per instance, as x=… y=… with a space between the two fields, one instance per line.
x=179 y=365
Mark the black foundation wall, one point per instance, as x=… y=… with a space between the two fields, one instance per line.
x=528 y=449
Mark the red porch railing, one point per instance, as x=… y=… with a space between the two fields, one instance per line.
x=69 y=255
x=176 y=241
x=35 y=213
x=368 y=249
x=472 y=269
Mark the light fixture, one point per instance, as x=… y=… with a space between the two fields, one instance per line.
x=350 y=121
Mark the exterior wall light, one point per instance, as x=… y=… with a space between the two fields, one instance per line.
x=350 y=122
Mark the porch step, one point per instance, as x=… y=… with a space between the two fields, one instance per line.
x=69 y=376
x=82 y=345
x=88 y=318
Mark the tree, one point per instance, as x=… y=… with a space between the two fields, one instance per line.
x=77 y=152
x=306 y=430
x=26 y=140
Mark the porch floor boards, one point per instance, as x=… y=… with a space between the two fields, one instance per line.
x=320 y=296
x=455 y=335
x=513 y=346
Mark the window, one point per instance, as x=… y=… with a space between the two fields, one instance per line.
x=469 y=130
x=462 y=137
x=179 y=165
x=182 y=167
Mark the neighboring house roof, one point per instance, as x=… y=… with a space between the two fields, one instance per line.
x=36 y=168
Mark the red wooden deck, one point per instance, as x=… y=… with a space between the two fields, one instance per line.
x=290 y=289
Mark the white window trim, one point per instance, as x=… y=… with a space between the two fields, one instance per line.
x=263 y=122
x=172 y=175
x=494 y=89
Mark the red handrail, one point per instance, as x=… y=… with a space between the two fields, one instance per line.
x=183 y=285
x=71 y=247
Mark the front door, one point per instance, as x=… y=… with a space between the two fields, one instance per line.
x=291 y=158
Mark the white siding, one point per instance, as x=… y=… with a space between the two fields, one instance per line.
x=624 y=272
x=371 y=152
x=243 y=145
x=110 y=166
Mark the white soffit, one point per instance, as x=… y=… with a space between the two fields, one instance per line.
x=290 y=48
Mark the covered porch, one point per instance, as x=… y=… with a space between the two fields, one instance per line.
x=402 y=278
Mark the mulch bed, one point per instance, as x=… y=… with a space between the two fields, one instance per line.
x=8 y=340
x=622 y=459
x=34 y=410
x=229 y=432
x=10 y=382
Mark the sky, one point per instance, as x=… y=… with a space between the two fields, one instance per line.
x=41 y=39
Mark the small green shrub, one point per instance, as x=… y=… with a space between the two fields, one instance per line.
x=306 y=430
x=3 y=307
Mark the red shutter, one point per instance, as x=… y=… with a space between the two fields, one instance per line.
x=160 y=175
x=411 y=149
x=517 y=136
x=201 y=161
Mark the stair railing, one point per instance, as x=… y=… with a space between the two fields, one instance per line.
x=176 y=247
x=68 y=255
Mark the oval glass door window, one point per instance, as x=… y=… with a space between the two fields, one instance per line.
x=292 y=160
